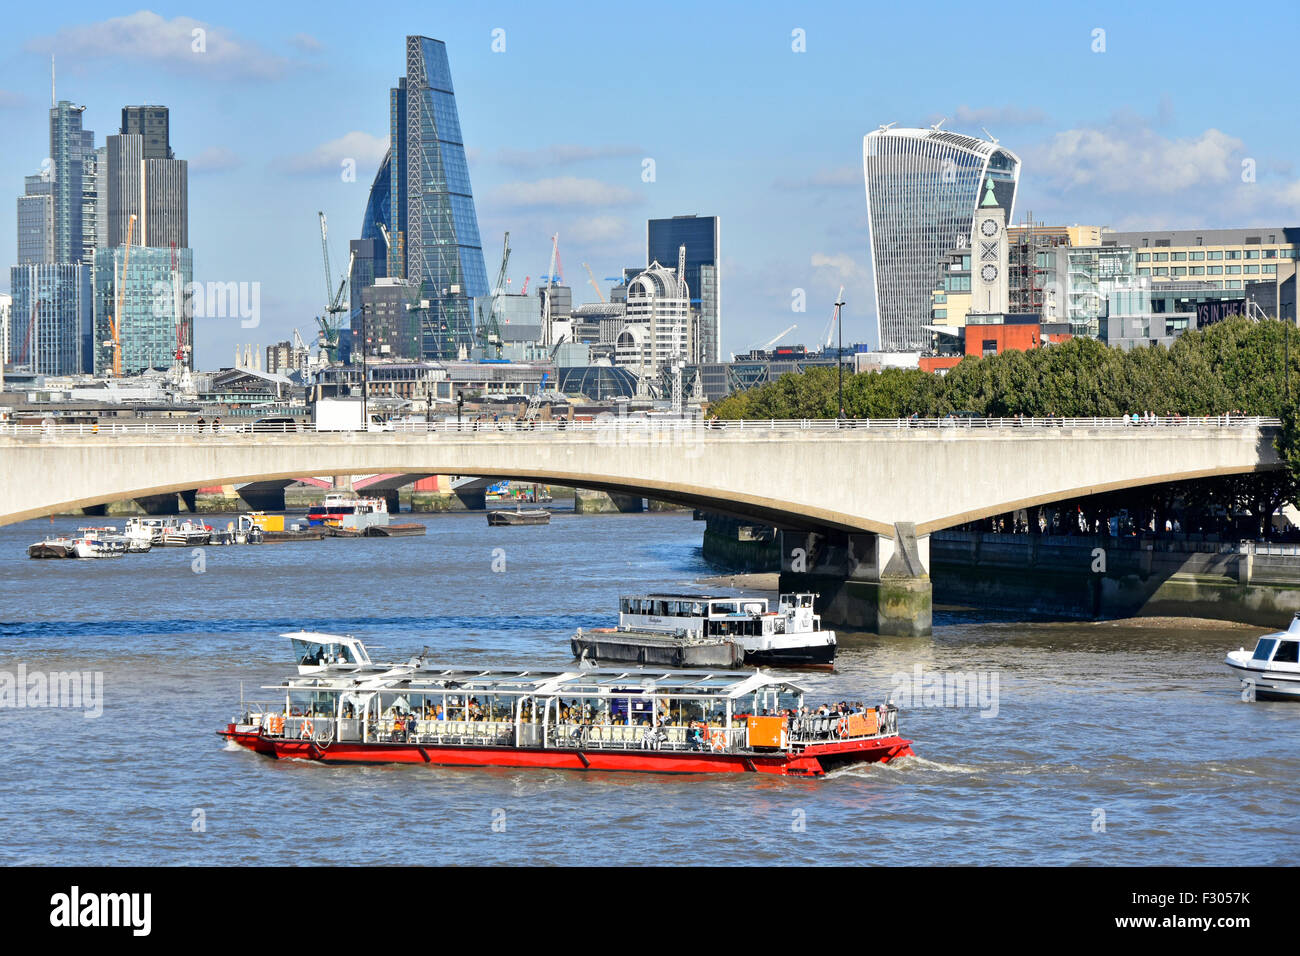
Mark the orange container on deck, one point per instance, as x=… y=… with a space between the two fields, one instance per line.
x=766 y=731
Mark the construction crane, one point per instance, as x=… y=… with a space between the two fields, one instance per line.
x=329 y=330
x=115 y=320
x=546 y=299
x=182 y=347
x=772 y=341
x=592 y=279
x=524 y=290
x=491 y=331
x=835 y=314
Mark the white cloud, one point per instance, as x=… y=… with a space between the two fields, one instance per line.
x=596 y=229
x=146 y=37
x=306 y=43
x=993 y=116
x=365 y=150
x=849 y=175
x=841 y=265
x=1121 y=159
x=215 y=159
x=564 y=191
x=561 y=154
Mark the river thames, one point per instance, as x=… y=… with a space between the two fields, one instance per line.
x=1106 y=743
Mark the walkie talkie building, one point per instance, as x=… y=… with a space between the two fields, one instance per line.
x=922 y=189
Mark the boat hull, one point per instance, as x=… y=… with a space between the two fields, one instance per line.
x=510 y=518
x=813 y=761
x=667 y=652
x=1269 y=684
x=808 y=656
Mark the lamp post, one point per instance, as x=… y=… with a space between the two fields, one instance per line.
x=365 y=378
x=839 y=359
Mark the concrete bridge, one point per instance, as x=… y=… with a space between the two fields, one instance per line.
x=874 y=490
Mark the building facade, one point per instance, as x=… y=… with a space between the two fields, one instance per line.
x=701 y=235
x=656 y=330
x=421 y=197
x=50 y=331
x=922 y=187
x=149 y=298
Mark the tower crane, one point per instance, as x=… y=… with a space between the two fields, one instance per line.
x=329 y=330
x=592 y=279
x=491 y=331
x=835 y=314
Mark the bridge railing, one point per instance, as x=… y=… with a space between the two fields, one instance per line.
x=625 y=426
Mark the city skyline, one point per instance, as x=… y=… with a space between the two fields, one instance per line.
x=551 y=149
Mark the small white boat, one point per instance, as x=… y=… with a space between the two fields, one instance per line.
x=96 y=543
x=1273 y=668
x=143 y=533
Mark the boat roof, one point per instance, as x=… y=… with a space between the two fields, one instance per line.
x=595 y=681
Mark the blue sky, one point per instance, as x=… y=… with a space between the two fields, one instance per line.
x=1151 y=132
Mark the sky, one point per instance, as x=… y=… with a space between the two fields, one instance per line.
x=1159 y=115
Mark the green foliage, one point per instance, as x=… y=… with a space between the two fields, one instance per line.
x=1232 y=366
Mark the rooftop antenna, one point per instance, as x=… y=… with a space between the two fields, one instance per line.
x=885 y=126
x=53 y=102
x=991 y=137
x=942 y=120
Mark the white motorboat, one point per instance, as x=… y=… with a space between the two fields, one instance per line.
x=789 y=636
x=98 y=543
x=140 y=533
x=1272 y=669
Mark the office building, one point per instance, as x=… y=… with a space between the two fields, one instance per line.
x=155 y=191
x=50 y=331
x=149 y=298
x=152 y=125
x=701 y=235
x=421 y=198
x=36 y=222
x=68 y=145
x=922 y=188
x=656 y=330
x=393 y=317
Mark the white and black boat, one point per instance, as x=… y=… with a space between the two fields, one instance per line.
x=187 y=534
x=789 y=636
x=1273 y=667
x=503 y=517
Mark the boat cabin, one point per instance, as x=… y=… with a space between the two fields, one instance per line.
x=1282 y=647
x=719 y=616
x=315 y=653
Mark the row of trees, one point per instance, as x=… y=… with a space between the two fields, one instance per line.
x=1237 y=365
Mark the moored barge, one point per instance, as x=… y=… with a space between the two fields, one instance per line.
x=343 y=708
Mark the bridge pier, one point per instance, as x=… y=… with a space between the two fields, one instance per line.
x=865 y=582
x=602 y=502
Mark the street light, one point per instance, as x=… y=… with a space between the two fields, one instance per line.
x=839 y=359
x=365 y=378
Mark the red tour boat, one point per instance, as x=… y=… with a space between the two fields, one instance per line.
x=343 y=708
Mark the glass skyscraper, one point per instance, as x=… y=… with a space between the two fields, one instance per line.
x=422 y=197
x=922 y=189
x=153 y=294
x=701 y=237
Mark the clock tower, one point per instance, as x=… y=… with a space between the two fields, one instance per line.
x=988 y=261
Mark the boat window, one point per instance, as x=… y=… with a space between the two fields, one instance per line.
x=1264 y=649
x=623 y=605
x=1287 y=653
x=697 y=609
